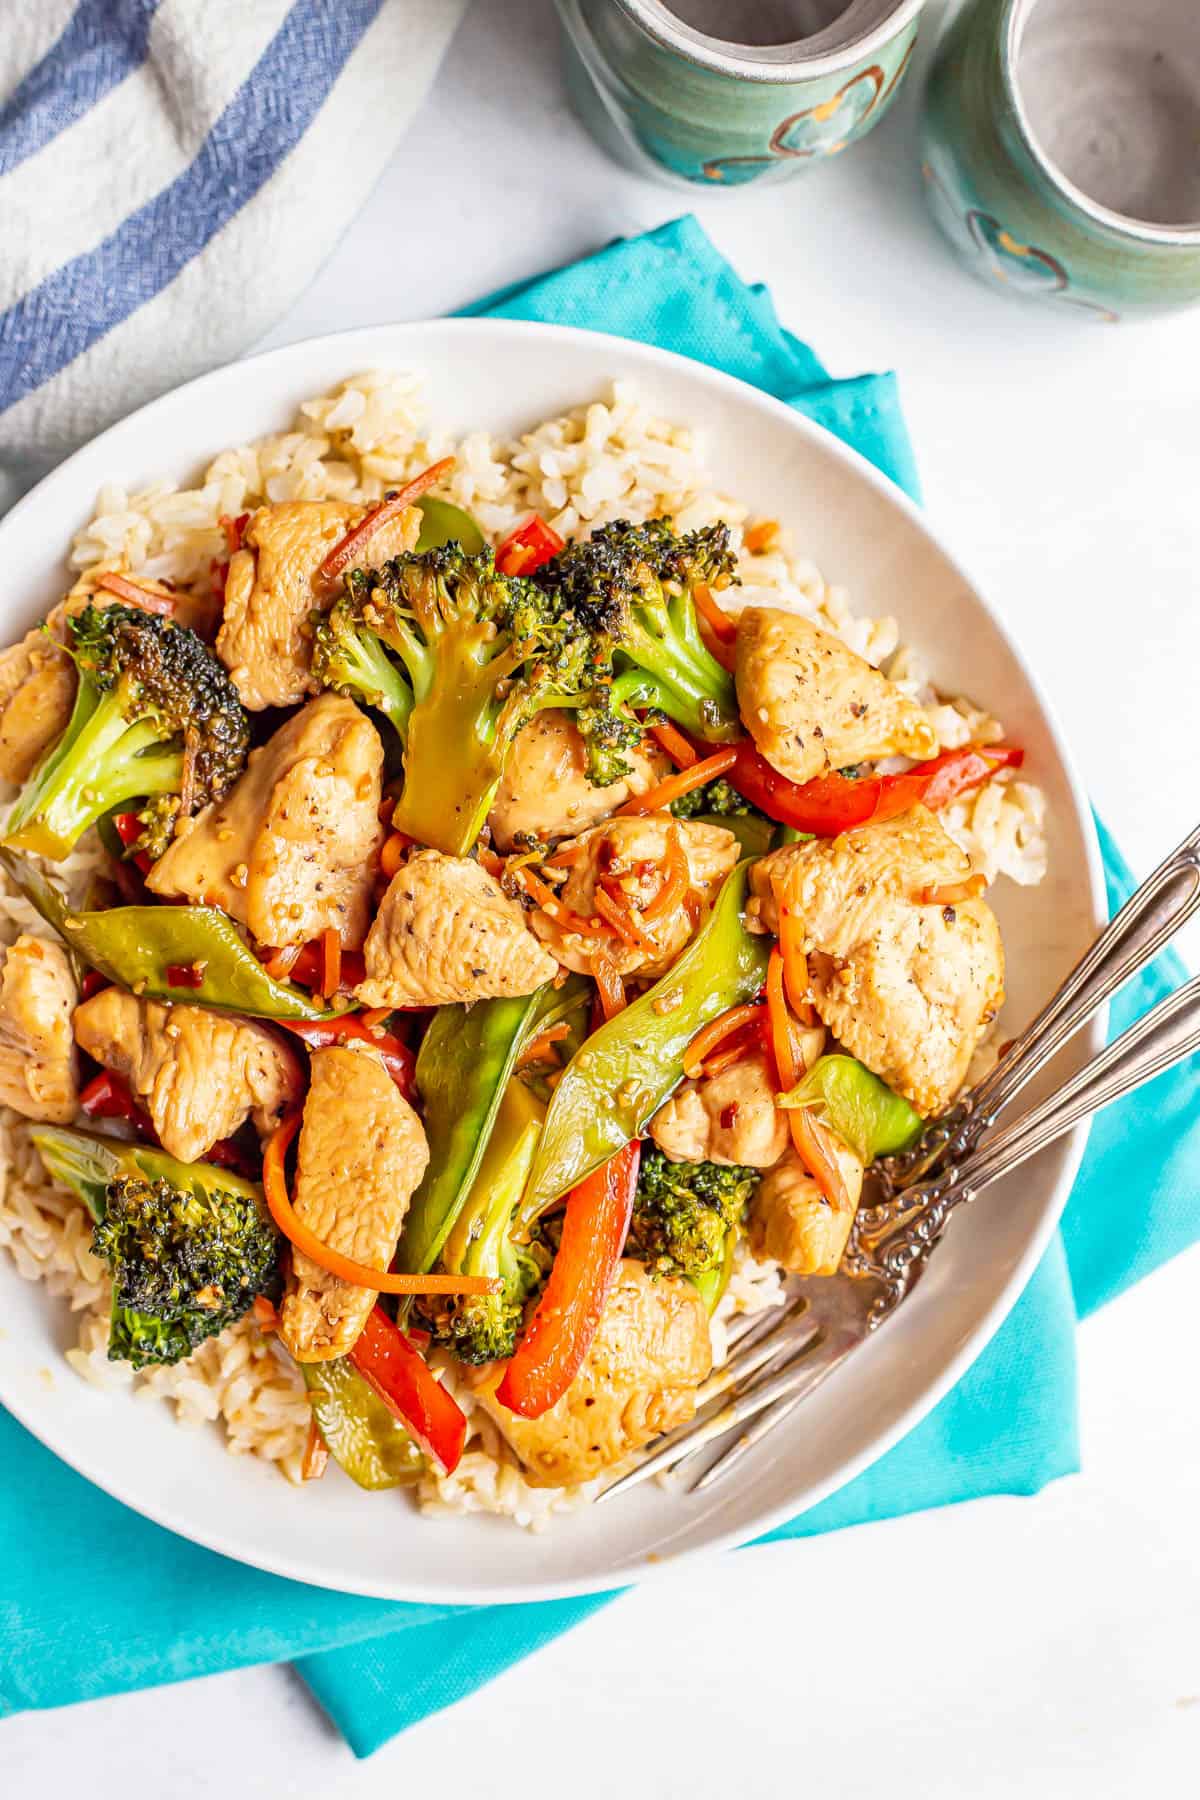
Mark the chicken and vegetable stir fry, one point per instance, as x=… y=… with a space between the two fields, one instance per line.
x=494 y=945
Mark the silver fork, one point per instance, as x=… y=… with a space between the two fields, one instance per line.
x=1163 y=904
x=779 y=1361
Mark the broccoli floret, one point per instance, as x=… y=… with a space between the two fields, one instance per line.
x=188 y=1245
x=482 y=1328
x=683 y=1213
x=630 y=587
x=716 y=799
x=349 y=658
x=156 y=718
x=482 y=653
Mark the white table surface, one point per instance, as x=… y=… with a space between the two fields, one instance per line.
x=1047 y=1643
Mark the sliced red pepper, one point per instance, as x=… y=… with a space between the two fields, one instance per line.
x=835 y=803
x=528 y=547
x=566 y=1318
x=397 y=1058
x=93 y=983
x=107 y=1096
x=234 y=529
x=402 y=1378
x=308 y=966
x=128 y=828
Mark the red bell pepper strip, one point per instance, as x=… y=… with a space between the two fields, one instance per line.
x=566 y=1318
x=397 y=1058
x=128 y=828
x=835 y=803
x=308 y=966
x=528 y=547
x=389 y=1361
x=107 y=1096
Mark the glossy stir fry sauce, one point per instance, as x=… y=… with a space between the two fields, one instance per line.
x=491 y=940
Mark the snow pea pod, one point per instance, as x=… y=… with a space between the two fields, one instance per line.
x=360 y=1430
x=191 y=954
x=861 y=1108
x=624 y=1072
x=443 y=523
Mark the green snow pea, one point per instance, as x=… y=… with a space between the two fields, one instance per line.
x=753 y=834
x=447 y=524
x=623 y=1073
x=361 y=1432
x=192 y=954
x=861 y=1108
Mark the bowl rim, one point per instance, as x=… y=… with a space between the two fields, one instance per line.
x=216 y=1538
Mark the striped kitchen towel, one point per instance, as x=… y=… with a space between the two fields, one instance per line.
x=172 y=174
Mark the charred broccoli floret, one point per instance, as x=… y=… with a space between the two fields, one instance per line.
x=156 y=719
x=480 y=652
x=715 y=800
x=188 y=1245
x=631 y=588
x=683 y=1213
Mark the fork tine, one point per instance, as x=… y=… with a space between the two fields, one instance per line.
x=811 y=1376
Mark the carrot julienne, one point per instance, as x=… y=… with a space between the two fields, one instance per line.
x=376 y=1015
x=657 y=799
x=331 y=961
x=537 y=1046
x=715 y=1032
x=304 y=1239
x=609 y=986
x=760 y=536
x=737 y=1045
x=678 y=879
x=136 y=596
x=620 y=918
x=316 y=1453
x=280 y=963
x=675 y=744
x=953 y=893
x=346 y=547
x=778 y=1023
x=812 y=1147
x=264 y=1313
x=795 y=963
x=553 y=907
x=718 y=621
x=392 y=854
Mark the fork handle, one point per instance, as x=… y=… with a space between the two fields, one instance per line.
x=1166 y=1035
x=1164 y=903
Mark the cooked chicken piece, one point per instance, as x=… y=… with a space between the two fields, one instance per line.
x=907 y=985
x=265 y=639
x=639 y=1378
x=38 y=1075
x=291 y=848
x=627 y=858
x=362 y=1154
x=812 y=705
x=199 y=1074
x=37 y=692
x=730 y=1117
x=545 y=792
x=447 y=931
x=793 y=1223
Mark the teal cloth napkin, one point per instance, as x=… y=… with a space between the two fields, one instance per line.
x=94 y=1600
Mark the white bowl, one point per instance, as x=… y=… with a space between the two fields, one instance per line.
x=862 y=533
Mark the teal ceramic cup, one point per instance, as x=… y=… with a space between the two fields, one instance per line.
x=670 y=90
x=1061 y=150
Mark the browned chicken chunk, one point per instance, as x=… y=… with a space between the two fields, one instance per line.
x=812 y=705
x=362 y=1154
x=729 y=1117
x=199 y=1074
x=291 y=848
x=906 y=973
x=545 y=792
x=446 y=931
x=793 y=1223
x=37 y=692
x=265 y=638
x=628 y=859
x=639 y=1378
x=37 y=1057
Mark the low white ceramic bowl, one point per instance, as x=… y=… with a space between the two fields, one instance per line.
x=862 y=533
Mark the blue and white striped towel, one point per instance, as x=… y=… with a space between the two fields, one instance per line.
x=172 y=174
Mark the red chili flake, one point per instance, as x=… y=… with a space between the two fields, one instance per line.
x=186 y=975
x=728 y=1115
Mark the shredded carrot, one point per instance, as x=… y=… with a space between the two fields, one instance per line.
x=737 y=1045
x=345 y=1268
x=675 y=745
x=609 y=986
x=346 y=548
x=677 y=880
x=278 y=964
x=535 y=1050
x=760 y=536
x=795 y=963
x=316 y=1454
x=778 y=1023
x=566 y=858
x=620 y=918
x=376 y=1015
x=714 y=1033
x=392 y=854
x=136 y=596
x=489 y=860
x=811 y=1141
x=331 y=962
x=554 y=908
x=657 y=799
x=265 y=1315
x=954 y=893
x=719 y=622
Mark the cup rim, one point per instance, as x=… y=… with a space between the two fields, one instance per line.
x=714 y=53
x=1144 y=230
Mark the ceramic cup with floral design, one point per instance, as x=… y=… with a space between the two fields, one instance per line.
x=1061 y=149
x=673 y=89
